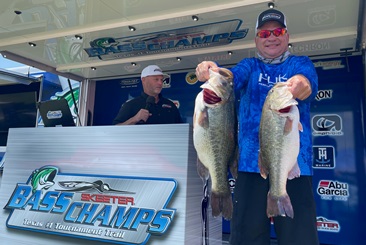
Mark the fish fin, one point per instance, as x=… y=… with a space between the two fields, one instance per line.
x=222 y=204
x=202 y=119
x=202 y=170
x=288 y=126
x=279 y=206
x=227 y=207
x=263 y=171
x=294 y=172
x=300 y=127
x=215 y=204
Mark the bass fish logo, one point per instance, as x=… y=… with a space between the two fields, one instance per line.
x=103 y=208
x=42 y=179
x=105 y=42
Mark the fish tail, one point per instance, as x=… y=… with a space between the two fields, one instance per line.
x=279 y=206
x=221 y=205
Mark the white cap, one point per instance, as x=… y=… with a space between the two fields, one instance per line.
x=153 y=70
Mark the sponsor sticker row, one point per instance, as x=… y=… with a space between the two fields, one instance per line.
x=324 y=157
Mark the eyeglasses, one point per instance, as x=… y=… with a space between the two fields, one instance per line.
x=276 y=32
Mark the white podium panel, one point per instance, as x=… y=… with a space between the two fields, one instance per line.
x=114 y=184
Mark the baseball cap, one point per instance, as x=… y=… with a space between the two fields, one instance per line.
x=271 y=15
x=152 y=70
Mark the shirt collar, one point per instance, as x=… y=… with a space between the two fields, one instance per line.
x=275 y=61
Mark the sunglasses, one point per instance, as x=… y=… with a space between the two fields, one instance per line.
x=276 y=32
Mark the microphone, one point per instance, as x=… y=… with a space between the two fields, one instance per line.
x=150 y=100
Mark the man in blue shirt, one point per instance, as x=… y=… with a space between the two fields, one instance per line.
x=253 y=78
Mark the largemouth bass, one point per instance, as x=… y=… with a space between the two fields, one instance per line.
x=214 y=137
x=279 y=147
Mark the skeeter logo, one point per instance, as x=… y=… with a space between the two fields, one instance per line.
x=106 y=208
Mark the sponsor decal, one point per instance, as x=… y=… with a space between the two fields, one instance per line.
x=54 y=114
x=324 y=94
x=115 y=209
x=271 y=16
x=323 y=16
x=166 y=106
x=191 y=78
x=333 y=190
x=311 y=47
x=268 y=81
x=217 y=58
x=323 y=157
x=166 y=83
x=129 y=83
x=189 y=38
x=327 y=124
x=328 y=65
x=327 y=225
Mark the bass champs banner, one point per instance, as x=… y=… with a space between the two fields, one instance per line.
x=111 y=208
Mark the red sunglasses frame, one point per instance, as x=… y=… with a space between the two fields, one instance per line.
x=276 y=32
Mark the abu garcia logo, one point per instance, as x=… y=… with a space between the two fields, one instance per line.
x=335 y=190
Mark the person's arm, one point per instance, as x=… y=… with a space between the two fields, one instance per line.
x=141 y=116
x=127 y=114
x=304 y=84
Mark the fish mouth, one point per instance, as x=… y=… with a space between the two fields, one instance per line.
x=218 y=89
x=210 y=97
x=285 y=107
x=285 y=110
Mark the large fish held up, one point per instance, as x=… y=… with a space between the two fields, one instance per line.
x=279 y=147
x=214 y=137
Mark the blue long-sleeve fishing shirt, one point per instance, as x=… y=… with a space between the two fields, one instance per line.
x=252 y=81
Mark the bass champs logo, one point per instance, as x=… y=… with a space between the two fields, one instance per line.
x=189 y=38
x=106 y=208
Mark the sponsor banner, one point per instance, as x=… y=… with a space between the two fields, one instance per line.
x=329 y=65
x=114 y=209
x=189 y=38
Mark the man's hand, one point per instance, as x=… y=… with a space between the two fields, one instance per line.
x=299 y=87
x=140 y=116
x=143 y=115
x=202 y=68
